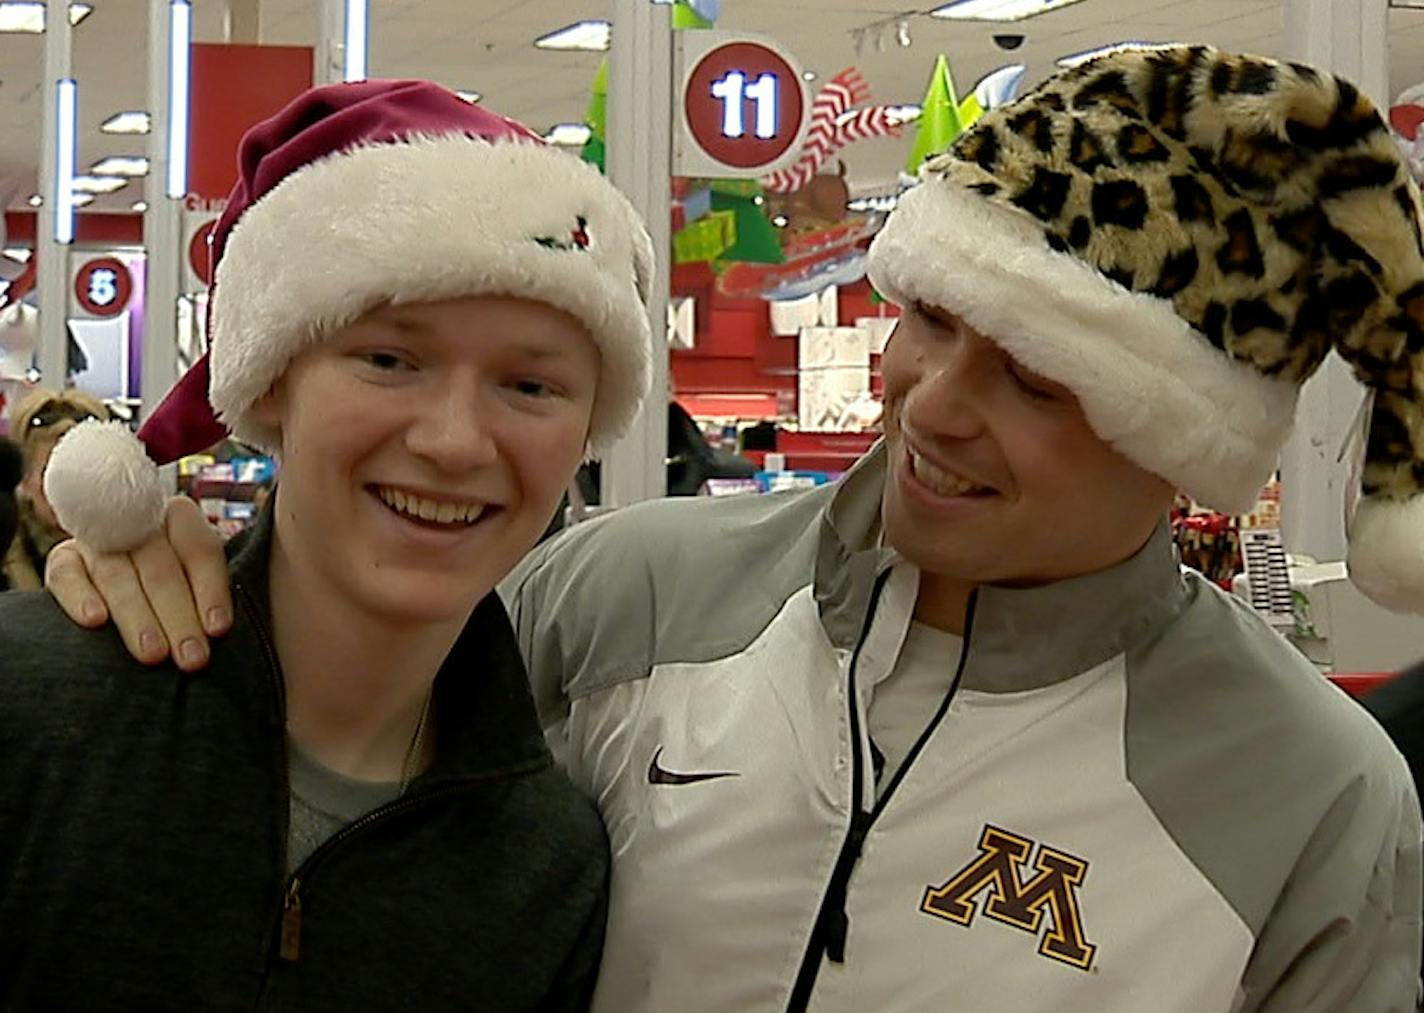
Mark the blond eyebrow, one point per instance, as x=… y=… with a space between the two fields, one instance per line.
x=538 y=351
x=392 y=316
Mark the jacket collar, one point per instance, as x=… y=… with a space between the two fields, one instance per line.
x=850 y=557
x=484 y=711
x=1021 y=638
x=1024 y=638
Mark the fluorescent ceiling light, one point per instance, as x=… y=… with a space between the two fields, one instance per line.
x=884 y=202
x=588 y=35
x=904 y=114
x=98 y=184
x=569 y=133
x=19 y=253
x=355 y=51
x=469 y=96
x=998 y=10
x=66 y=99
x=22 y=17
x=140 y=206
x=180 y=34
x=135 y=121
x=78 y=200
x=28 y=15
x=121 y=165
x=1077 y=59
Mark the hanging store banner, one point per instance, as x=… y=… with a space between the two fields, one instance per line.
x=232 y=89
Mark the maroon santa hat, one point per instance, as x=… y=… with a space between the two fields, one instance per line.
x=353 y=196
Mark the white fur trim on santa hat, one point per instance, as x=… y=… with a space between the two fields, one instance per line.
x=103 y=487
x=1386 y=556
x=421 y=220
x=1150 y=384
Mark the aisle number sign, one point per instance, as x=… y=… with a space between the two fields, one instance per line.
x=743 y=109
x=732 y=89
x=103 y=287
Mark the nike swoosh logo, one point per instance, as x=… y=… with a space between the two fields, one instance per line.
x=660 y=775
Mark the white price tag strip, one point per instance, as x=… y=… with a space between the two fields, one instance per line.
x=1269 y=576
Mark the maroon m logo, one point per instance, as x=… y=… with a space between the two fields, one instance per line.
x=1002 y=856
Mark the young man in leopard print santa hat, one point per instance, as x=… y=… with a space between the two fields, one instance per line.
x=958 y=731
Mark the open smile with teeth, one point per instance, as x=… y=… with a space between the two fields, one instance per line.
x=429 y=510
x=942 y=482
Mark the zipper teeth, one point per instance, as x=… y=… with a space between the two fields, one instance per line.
x=815 y=950
x=811 y=962
x=291 y=890
x=274 y=671
x=943 y=709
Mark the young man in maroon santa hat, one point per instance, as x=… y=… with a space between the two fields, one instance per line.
x=431 y=317
x=958 y=732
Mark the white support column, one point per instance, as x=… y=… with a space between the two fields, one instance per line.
x=52 y=253
x=162 y=222
x=342 y=47
x=1348 y=38
x=639 y=159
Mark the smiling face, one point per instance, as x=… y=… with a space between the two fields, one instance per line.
x=425 y=449
x=995 y=476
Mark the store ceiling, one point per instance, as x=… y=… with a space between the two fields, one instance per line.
x=486 y=46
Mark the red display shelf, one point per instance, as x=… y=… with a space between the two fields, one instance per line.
x=1357 y=684
x=807 y=442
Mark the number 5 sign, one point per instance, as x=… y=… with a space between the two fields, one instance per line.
x=103 y=287
x=743 y=108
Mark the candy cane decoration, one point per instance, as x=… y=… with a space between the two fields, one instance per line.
x=840 y=94
x=873 y=121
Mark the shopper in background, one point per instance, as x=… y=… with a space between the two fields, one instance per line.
x=959 y=731
x=12 y=470
x=431 y=316
x=40 y=419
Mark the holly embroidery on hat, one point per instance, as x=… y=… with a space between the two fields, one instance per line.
x=578 y=238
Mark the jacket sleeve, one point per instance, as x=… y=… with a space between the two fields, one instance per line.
x=1345 y=933
x=556 y=601
x=533 y=614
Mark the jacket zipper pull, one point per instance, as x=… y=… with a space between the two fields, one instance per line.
x=838 y=921
x=837 y=929
x=291 y=924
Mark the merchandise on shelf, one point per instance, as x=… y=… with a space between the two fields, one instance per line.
x=230 y=491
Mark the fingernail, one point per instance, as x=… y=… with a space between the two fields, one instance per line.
x=92 y=611
x=217 y=618
x=149 y=642
x=190 y=652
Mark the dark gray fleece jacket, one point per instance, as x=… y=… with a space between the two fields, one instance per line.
x=143 y=821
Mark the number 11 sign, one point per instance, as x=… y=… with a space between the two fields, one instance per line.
x=743 y=107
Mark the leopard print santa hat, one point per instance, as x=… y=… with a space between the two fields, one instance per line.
x=1180 y=236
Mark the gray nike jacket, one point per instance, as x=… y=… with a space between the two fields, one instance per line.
x=1138 y=797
